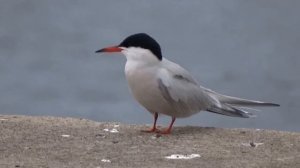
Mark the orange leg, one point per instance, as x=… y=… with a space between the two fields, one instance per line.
x=168 y=130
x=153 y=129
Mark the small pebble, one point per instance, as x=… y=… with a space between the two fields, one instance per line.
x=180 y=156
x=114 y=130
x=65 y=136
x=106 y=160
x=114 y=142
x=252 y=144
x=111 y=131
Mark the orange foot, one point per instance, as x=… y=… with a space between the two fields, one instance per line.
x=151 y=130
x=166 y=131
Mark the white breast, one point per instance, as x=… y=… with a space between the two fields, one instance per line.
x=144 y=87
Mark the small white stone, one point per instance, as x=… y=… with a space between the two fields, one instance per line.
x=3 y=119
x=180 y=156
x=257 y=144
x=106 y=160
x=117 y=125
x=114 y=130
x=111 y=131
x=65 y=136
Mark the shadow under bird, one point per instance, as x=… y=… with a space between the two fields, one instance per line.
x=164 y=87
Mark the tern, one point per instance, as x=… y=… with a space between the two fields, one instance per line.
x=164 y=87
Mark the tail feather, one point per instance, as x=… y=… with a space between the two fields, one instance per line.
x=246 y=108
x=233 y=106
x=243 y=102
x=237 y=101
x=229 y=110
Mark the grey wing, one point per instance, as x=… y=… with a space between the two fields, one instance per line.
x=179 y=88
x=182 y=91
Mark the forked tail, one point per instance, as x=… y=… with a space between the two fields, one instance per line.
x=229 y=110
x=233 y=106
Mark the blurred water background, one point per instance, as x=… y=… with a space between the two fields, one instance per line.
x=242 y=48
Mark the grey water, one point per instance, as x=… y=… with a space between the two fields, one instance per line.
x=249 y=49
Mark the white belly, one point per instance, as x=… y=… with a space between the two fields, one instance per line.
x=144 y=87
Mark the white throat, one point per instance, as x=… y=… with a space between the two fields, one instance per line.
x=139 y=59
x=141 y=55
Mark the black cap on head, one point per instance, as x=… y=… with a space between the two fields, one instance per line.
x=143 y=40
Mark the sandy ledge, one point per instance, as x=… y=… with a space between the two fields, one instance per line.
x=67 y=142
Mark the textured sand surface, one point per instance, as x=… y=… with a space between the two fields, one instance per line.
x=67 y=142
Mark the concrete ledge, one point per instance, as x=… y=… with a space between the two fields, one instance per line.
x=68 y=142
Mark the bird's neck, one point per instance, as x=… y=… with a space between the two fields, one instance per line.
x=137 y=65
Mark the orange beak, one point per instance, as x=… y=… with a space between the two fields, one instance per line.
x=110 y=49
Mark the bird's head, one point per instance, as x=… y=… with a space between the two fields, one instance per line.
x=139 y=46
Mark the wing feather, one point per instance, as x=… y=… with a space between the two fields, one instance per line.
x=181 y=90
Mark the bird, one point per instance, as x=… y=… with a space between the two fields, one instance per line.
x=163 y=87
